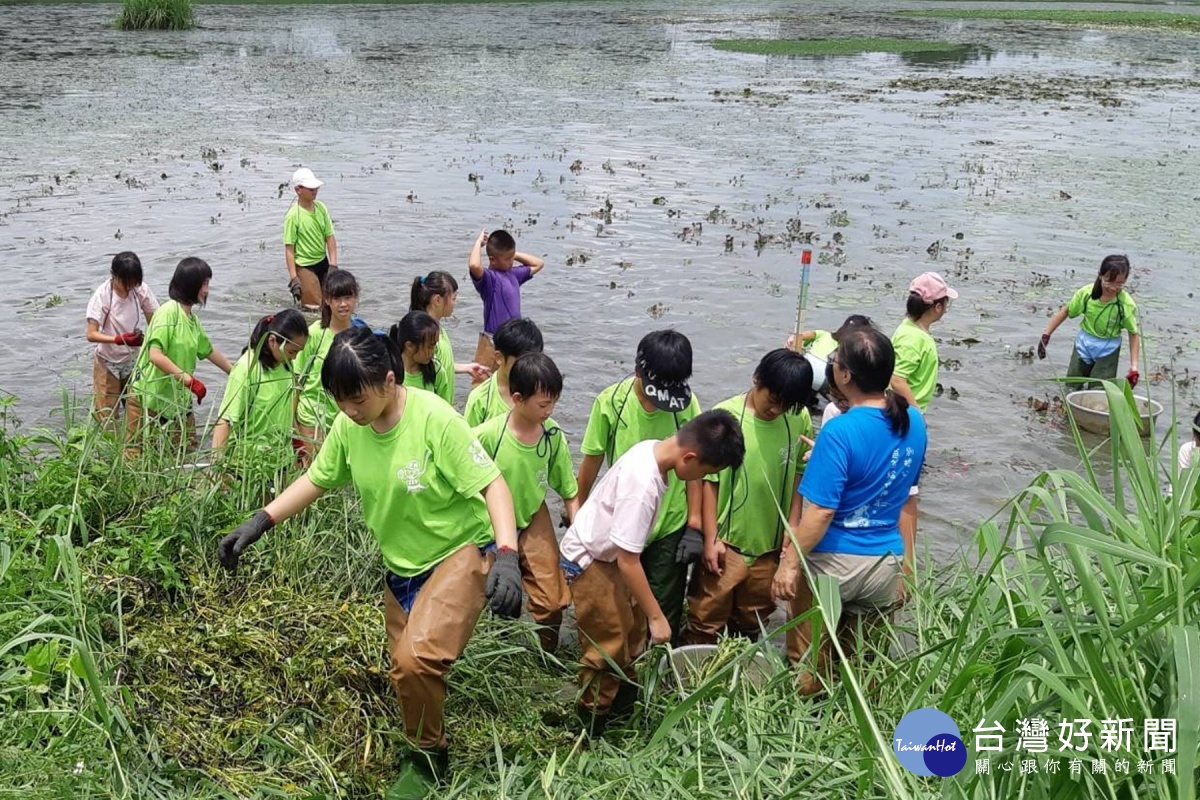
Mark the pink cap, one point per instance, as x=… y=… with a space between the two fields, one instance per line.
x=931 y=287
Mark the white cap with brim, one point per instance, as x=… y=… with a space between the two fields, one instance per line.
x=305 y=177
x=818 y=369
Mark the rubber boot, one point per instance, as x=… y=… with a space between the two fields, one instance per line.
x=548 y=634
x=627 y=696
x=593 y=724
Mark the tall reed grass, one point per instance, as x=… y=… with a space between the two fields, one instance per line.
x=156 y=15
x=131 y=666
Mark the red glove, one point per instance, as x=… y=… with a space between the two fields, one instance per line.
x=198 y=389
x=1132 y=377
x=130 y=339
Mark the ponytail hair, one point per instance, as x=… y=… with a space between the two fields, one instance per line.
x=1113 y=266
x=867 y=354
x=285 y=325
x=435 y=284
x=916 y=306
x=417 y=328
x=358 y=360
x=338 y=283
x=896 y=410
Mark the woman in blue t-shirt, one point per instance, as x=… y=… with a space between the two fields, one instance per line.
x=857 y=480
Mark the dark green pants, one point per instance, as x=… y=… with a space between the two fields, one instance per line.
x=667 y=579
x=1104 y=369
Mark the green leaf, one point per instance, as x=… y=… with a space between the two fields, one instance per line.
x=1186 y=643
x=1066 y=533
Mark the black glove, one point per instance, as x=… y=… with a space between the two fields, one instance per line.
x=244 y=535
x=1041 y=348
x=294 y=288
x=691 y=547
x=503 y=588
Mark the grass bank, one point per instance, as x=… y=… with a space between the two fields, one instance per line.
x=132 y=666
x=832 y=47
x=1123 y=19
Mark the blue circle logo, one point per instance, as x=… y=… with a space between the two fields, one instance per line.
x=928 y=743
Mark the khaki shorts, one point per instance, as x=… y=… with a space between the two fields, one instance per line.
x=867 y=583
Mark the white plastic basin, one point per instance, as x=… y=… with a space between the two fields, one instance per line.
x=1090 y=410
x=690 y=663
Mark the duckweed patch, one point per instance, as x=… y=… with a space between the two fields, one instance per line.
x=1124 y=19
x=833 y=47
x=1073 y=90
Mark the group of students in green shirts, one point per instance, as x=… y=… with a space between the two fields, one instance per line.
x=457 y=502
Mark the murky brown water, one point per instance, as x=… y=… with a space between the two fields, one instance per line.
x=697 y=171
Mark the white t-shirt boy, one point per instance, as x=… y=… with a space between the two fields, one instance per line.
x=619 y=513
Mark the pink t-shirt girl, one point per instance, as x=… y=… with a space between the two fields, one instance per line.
x=115 y=314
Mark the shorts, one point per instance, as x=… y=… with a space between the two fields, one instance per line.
x=570 y=569
x=405 y=589
x=866 y=583
x=320 y=269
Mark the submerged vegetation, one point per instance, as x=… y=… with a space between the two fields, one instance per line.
x=155 y=15
x=1130 y=19
x=132 y=666
x=833 y=47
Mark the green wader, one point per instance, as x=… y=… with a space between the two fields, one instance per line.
x=668 y=580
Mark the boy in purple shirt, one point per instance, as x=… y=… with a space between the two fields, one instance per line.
x=499 y=284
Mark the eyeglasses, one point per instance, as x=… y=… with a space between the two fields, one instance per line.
x=282 y=340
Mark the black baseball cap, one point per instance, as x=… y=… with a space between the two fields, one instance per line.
x=666 y=395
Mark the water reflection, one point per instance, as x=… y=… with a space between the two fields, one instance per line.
x=967 y=54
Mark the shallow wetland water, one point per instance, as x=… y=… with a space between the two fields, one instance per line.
x=666 y=182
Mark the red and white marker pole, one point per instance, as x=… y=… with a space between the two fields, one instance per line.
x=802 y=297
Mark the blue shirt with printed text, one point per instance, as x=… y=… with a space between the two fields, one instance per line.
x=864 y=471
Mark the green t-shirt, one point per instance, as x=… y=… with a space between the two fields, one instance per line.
x=484 y=403
x=258 y=406
x=316 y=408
x=443 y=360
x=258 y=402
x=617 y=422
x=415 y=380
x=916 y=360
x=529 y=469
x=764 y=483
x=419 y=483
x=181 y=338
x=307 y=232
x=822 y=345
x=1104 y=320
